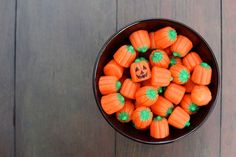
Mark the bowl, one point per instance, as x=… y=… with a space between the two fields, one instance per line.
x=199 y=45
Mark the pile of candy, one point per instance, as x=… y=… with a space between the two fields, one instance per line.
x=162 y=89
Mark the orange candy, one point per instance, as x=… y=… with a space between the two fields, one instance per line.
x=112 y=103
x=189 y=86
x=202 y=74
x=159 y=58
x=165 y=37
x=162 y=107
x=124 y=115
x=174 y=93
x=113 y=69
x=179 y=118
x=159 y=128
x=140 y=71
x=125 y=55
x=140 y=40
x=182 y=46
x=170 y=76
x=137 y=104
x=108 y=84
x=175 y=60
x=191 y=60
x=146 y=95
x=179 y=73
x=187 y=104
x=142 y=117
x=201 y=95
x=129 y=88
x=152 y=41
x=160 y=77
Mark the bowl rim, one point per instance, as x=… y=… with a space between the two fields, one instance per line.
x=95 y=88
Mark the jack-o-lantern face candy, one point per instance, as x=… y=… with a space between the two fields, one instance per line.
x=140 y=70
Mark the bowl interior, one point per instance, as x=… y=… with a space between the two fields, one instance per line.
x=121 y=38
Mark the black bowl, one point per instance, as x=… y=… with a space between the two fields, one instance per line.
x=122 y=37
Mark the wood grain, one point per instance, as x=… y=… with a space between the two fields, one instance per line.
x=57 y=44
x=228 y=130
x=7 y=27
x=206 y=141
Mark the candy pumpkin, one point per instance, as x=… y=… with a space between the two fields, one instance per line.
x=113 y=69
x=174 y=93
x=152 y=41
x=187 y=104
x=146 y=95
x=179 y=73
x=159 y=58
x=202 y=74
x=201 y=95
x=112 y=103
x=191 y=60
x=162 y=107
x=160 y=77
x=137 y=104
x=129 y=88
x=146 y=83
x=175 y=60
x=140 y=40
x=179 y=118
x=165 y=37
x=140 y=71
x=125 y=55
x=108 y=84
x=182 y=46
x=159 y=128
x=168 y=51
x=142 y=117
x=189 y=86
x=124 y=115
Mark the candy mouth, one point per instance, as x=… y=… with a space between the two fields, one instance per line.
x=142 y=76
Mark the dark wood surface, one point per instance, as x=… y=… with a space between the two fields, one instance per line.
x=7 y=47
x=46 y=68
x=228 y=129
x=57 y=44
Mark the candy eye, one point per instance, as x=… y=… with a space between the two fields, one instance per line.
x=136 y=69
x=144 y=68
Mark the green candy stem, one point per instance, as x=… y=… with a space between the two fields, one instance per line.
x=145 y=115
x=193 y=107
x=172 y=34
x=121 y=98
x=130 y=49
x=151 y=93
x=140 y=59
x=169 y=111
x=143 y=49
x=123 y=116
x=176 y=54
x=158 y=118
x=172 y=61
x=160 y=90
x=205 y=65
x=187 y=124
x=157 y=57
x=118 y=85
x=184 y=76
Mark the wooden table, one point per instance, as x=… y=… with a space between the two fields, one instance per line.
x=47 y=52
